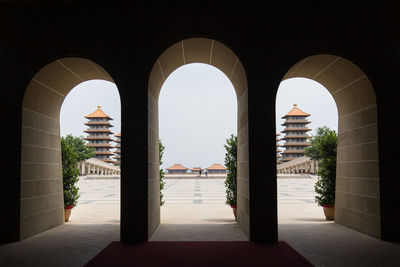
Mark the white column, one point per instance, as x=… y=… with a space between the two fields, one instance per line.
x=82 y=168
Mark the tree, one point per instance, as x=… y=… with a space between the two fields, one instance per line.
x=162 y=182
x=313 y=151
x=324 y=147
x=70 y=173
x=79 y=147
x=231 y=165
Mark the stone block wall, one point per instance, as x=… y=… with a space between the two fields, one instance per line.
x=357 y=177
x=41 y=199
x=153 y=166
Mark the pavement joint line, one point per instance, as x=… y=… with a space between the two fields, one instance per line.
x=206 y=190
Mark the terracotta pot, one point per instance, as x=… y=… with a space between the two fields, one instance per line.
x=234 y=209
x=329 y=211
x=67 y=212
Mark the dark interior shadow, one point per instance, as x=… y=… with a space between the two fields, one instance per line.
x=82 y=241
x=333 y=244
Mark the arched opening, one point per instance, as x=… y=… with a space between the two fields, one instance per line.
x=357 y=202
x=91 y=115
x=41 y=197
x=212 y=52
x=197 y=113
x=303 y=106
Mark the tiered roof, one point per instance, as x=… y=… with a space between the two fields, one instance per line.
x=118 y=140
x=277 y=144
x=118 y=146
x=292 y=131
x=98 y=113
x=216 y=167
x=177 y=167
x=105 y=146
x=295 y=111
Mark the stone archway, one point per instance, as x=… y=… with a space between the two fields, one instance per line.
x=212 y=52
x=357 y=184
x=41 y=197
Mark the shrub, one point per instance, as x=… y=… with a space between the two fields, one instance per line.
x=324 y=147
x=231 y=165
x=70 y=173
x=162 y=182
x=80 y=148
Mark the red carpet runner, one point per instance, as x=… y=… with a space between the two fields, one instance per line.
x=193 y=254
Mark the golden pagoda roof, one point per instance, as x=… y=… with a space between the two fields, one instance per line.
x=216 y=167
x=295 y=111
x=118 y=134
x=98 y=113
x=177 y=167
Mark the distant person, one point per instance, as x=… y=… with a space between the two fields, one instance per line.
x=206 y=172
x=200 y=172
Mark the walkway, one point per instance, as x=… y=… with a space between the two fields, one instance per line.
x=195 y=210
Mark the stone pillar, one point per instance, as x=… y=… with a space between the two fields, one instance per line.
x=82 y=168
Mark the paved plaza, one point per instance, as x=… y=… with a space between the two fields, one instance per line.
x=295 y=197
x=195 y=209
x=193 y=191
x=195 y=201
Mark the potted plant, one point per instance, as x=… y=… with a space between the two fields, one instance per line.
x=73 y=150
x=70 y=173
x=231 y=177
x=325 y=188
x=324 y=148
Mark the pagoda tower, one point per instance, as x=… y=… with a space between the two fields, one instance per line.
x=295 y=134
x=118 y=147
x=99 y=134
x=278 y=151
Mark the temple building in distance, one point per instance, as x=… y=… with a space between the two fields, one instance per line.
x=99 y=134
x=196 y=170
x=278 y=151
x=216 y=169
x=118 y=147
x=295 y=134
x=177 y=169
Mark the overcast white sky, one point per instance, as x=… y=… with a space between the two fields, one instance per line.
x=197 y=111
